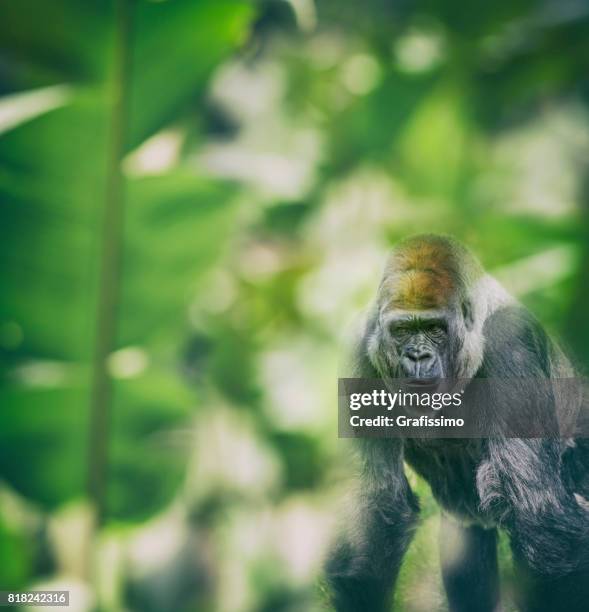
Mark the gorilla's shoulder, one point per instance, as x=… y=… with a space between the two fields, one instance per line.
x=515 y=345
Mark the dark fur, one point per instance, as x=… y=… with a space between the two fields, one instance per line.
x=531 y=488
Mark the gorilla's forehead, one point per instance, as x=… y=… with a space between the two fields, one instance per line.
x=420 y=290
x=421 y=315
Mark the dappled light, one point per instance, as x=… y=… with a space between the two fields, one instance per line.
x=168 y=420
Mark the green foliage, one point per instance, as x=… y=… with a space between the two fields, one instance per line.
x=54 y=185
x=272 y=152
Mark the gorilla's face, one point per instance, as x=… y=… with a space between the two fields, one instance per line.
x=420 y=341
x=422 y=325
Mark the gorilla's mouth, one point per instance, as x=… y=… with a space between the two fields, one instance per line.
x=423 y=384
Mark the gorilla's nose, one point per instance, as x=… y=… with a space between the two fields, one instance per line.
x=418 y=361
x=419 y=354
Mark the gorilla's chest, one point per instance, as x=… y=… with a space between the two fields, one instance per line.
x=449 y=467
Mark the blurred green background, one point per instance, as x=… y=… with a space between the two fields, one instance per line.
x=196 y=198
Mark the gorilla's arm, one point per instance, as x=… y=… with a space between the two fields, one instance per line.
x=363 y=566
x=521 y=481
x=548 y=528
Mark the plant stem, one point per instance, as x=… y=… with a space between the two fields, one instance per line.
x=110 y=265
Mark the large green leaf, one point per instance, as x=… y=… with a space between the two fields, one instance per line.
x=177 y=43
x=53 y=187
x=44 y=43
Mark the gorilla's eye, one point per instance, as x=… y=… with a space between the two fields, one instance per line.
x=437 y=330
x=398 y=330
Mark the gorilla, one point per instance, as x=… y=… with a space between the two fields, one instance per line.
x=438 y=315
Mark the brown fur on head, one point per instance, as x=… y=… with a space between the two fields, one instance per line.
x=428 y=271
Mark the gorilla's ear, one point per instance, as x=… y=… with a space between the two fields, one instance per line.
x=467 y=313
